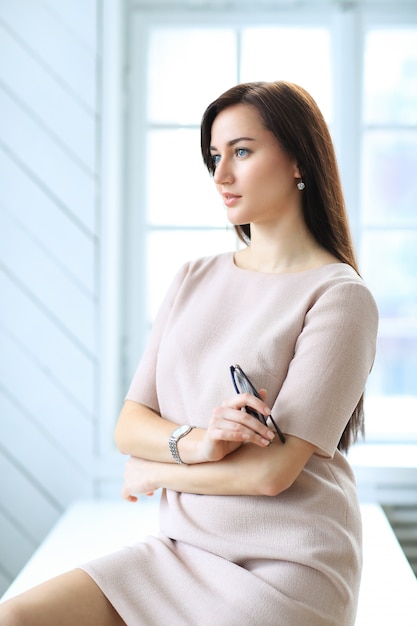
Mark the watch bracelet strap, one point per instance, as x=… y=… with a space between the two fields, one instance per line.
x=173 y=446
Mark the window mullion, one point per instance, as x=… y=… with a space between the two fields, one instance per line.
x=347 y=71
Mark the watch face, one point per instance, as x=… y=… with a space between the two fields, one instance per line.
x=181 y=430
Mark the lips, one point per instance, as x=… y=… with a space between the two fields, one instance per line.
x=230 y=198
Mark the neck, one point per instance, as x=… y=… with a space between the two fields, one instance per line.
x=292 y=250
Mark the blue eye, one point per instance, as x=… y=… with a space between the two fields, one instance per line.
x=242 y=152
x=215 y=159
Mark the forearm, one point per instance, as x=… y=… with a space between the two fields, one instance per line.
x=250 y=470
x=142 y=433
x=241 y=473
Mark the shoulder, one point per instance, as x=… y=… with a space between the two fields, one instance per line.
x=343 y=277
x=207 y=265
x=197 y=273
x=212 y=262
x=339 y=290
x=336 y=273
x=337 y=278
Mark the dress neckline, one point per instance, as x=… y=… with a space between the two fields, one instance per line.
x=285 y=274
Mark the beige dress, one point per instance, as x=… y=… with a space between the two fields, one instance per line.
x=290 y=560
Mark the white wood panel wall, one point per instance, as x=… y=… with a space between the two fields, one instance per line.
x=49 y=246
x=54 y=445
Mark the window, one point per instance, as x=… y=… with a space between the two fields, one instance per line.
x=185 y=216
x=183 y=63
x=389 y=223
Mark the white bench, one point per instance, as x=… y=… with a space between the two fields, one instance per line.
x=89 y=528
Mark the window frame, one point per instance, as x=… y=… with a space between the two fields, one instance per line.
x=128 y=328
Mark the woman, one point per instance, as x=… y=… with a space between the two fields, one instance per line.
x=269 y=532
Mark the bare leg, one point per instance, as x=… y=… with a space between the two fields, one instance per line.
x=72 y=598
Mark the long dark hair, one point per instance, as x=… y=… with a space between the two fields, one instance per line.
x=292 y=115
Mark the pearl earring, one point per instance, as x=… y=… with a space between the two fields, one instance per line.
x=301 y=185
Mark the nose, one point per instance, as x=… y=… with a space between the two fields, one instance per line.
x=223 y=173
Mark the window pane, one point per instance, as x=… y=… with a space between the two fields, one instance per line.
x=395 y=369
x=180 y=190
x=389 y=418
x=390 y=76
x=280 y=54
x=389 y=262
x=178 y=247
x=389 y=182
x=188 y=68
x=389 y=241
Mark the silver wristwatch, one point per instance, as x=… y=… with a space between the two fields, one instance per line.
x=176 y=435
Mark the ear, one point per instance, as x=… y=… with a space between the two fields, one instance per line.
x=297 y=171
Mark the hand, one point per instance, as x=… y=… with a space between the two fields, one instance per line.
x=138 y=479
x=231 y=426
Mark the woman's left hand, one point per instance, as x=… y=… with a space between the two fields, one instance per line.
x=139 y=479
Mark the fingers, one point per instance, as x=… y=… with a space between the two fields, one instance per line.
x=137 y=480
x=263 y=393
x=126 y=495
x=242 y=400
x=232 y=422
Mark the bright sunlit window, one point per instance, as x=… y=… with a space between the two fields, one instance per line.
x=184 y=213
x=389 y=223
x=188 y=64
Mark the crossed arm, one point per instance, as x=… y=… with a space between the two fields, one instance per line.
x=216 y=460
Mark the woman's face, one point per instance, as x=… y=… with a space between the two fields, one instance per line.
x=256 y=178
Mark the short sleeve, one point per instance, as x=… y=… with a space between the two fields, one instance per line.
x=333 y=356
x=143 y=386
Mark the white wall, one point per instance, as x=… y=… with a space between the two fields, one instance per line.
x=49 y=274
x=60 y=258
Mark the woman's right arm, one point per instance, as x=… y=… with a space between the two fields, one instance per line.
x=143 y=433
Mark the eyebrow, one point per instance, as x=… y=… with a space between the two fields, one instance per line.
x=232 y=142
